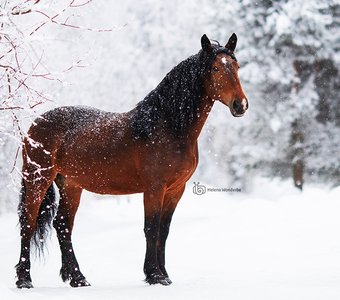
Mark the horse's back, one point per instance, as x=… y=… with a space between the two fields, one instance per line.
x=70 y=117
x=67 y=121
x=62 y=126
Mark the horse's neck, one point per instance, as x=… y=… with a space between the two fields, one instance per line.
x=202 y=115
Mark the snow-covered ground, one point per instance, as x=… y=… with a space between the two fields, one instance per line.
x=275 y=243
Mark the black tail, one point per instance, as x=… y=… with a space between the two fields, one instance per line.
x=46 y=215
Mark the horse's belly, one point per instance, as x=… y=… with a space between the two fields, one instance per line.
x=112 y=189
x=100 y=183
x=102 y=174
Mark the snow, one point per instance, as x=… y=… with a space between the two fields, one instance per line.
x=275 y=243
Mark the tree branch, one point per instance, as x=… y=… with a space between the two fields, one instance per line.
x=19 y=10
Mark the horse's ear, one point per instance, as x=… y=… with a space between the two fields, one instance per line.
x=205 y=42
x=231 y=45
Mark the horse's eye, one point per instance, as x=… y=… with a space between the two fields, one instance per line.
x=215 y=69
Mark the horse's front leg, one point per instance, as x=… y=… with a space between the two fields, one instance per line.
x=153 y=202
x=169 y=205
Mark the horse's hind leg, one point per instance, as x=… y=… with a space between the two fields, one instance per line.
x=63 y=223
x=32 y=195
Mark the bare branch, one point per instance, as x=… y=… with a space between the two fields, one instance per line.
x=12 y=108
x=22 y=62
x=79 y=5
x=54 y=20
x=22 y=10
x=15 y=160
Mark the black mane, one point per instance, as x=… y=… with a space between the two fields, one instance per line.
x=174 y=103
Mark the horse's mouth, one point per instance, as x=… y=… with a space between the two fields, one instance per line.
x=237 y=114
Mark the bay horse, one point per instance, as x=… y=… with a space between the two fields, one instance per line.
x=151 y=149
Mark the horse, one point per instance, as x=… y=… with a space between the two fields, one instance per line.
x=151 y=149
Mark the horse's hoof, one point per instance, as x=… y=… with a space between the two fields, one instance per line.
x=158 y=279
x=79 y=283
x=24 y=284
x=168 y=280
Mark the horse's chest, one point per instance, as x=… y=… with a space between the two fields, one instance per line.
x=181 y=171
x=168 y=165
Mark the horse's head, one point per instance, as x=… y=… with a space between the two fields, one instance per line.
x=221 y=82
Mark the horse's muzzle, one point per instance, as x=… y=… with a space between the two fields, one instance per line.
x=239 y=107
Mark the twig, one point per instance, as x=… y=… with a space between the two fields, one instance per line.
x=17 y=10
x=11 y=108
x=53 y=19
x=15 y=160
x=79 y=5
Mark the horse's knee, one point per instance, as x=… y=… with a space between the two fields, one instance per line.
x=152 y=226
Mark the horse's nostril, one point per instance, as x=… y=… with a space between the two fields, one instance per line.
x=236 y=105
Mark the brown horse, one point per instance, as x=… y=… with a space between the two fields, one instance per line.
x=151 y=149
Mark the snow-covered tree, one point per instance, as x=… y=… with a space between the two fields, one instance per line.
x=27 y=69
x=290 y=61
